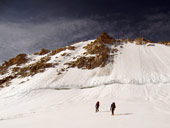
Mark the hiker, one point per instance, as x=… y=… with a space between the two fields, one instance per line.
x=112 y=108
x=97 y=106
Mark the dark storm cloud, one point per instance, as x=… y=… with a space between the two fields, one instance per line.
x=27 y=26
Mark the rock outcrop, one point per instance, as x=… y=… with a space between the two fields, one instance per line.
x=34 y=68
x=42 y=52
x=18 y=60
x=142 y=41
x=167 y=43
x=29 y=70
x=128 y=40
x=105 y=38
x=89 y=62
x=6 y=80
x=96 y=47
x=98 y=51
x=56 y=51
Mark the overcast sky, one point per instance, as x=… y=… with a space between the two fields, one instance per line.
x=27 y=26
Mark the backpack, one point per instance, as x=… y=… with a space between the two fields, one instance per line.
x=97 y=104
x=113 y=105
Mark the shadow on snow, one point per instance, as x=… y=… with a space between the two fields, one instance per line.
x=121 y=114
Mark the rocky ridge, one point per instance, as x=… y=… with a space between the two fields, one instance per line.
x=98 y=53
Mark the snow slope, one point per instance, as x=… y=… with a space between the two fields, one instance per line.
x=138 y=81
x=133 y=64
x=137 y=106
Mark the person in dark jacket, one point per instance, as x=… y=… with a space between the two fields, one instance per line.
x=112 y=108
x=97 y=106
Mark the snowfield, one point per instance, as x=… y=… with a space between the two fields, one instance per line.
x=137 y=106
x=138 y=81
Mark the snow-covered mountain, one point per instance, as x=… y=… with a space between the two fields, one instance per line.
x=106 y=68
x=91 y=63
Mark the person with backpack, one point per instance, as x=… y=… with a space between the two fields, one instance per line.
x=112 y=108
x=97 y=106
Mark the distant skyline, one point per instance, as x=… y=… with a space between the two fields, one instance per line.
x=27 y=26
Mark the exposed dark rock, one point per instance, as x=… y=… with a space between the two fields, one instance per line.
x=142 y=41
x=70 y=47
x=128 y=40
x=97 y=48
x=58 y=51
x=105 y=38
x=167 y=43
x=89 y=62
x=18 y=60
x=114 y=50
x=6 y=79
x=64 y=54
x=29 y=70
x=44 y=51
x=62 y=49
